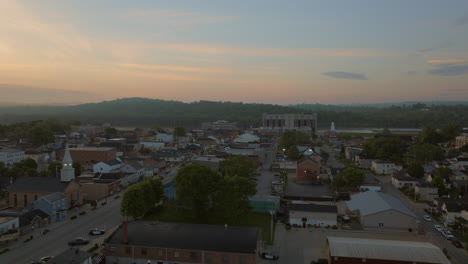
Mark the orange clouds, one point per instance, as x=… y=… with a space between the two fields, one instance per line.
x=447 y=61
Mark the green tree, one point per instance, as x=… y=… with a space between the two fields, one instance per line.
x=387 y=148
x=350 y=177
x=438 y=182
x=111 y=132
x=145 y=151
x=293 y=138
x=196 y=187
x=158 y=188
x=443 y=172
x=239 y=165
x=133 y=204
x=28 y=163
x=78 y=168
x=464 y=148
x=293 y=153
x=149 y=197
x=430 y=135
x=425 y=152
x=41 y=134
x=54 y=169
x=324 y=154
x=450 y=131
x=233 y=199
x=179 y=132
x=415 y=169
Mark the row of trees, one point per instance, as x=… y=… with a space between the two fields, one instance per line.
x=140 y=198
x=226 y=194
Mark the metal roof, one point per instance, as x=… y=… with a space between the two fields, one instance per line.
x=396 y=250
x=373 y=202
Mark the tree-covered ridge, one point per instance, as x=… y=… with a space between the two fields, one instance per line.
x=145 y=112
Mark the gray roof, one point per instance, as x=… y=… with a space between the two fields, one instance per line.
x=70 y=256
x=403 y=176
x=38 y=184
x=113 y=162
x=54 y=197
x=373 y=202
x=313 y=208
x=217 y=238
x=135 y=164
x=395 y=250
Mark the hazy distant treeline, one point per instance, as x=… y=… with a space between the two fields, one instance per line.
x=146 y=112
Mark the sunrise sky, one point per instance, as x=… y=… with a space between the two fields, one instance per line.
x=246 y=50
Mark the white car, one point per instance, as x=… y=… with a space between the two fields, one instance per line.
x=427 y=218
x=438 y=228
x=447 y=234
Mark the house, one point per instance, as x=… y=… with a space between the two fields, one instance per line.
x=351 y=250
x=8 y=224
x=307 y=172
x=9 y=156
x=152 y=145
x=72 y=256
x=142 y=241
x=265 y=203
x=426 y=191
x=363 y=162
x=54 y=204
x=134 y=171
x=32 y=220
x=461 y=141
x=169 y=155
x=88 y=156
x=165 y=138
x=370 y=184
x=377 y=210
x=208 y=141
x=451 y=207
x=352 y=153
x=208 y=161
x=401 y=179
x=312 y=214
x=108 y=166
x=247 y=138
x=384 y=167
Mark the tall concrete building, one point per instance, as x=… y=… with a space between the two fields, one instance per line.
x=281 y=122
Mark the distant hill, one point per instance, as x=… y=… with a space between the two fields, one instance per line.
x=146 y=112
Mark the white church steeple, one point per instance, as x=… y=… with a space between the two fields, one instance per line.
x=68 y=172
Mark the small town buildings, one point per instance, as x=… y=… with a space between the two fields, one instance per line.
x=9 y=156
x=208 y=161
x=247 y=138
x=451 y=208
x=142 y=241
x=385 y=167
x=350 y=250
x=370 y=184
x=108 y=166
x=219 y=125
x=169 y=155
x=377 y=210
x=27 y=221
x=152 y=145
x=363 y=162
x=88 y=156
x=166 y=138
x=352 y=153
x=402 y=179
x=426 y=191
x=312 y=214
x=461 y=141
x=307 y=172
x=54 y=204
x=72 y=256
x=281 y=122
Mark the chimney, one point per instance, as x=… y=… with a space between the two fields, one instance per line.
x=125 y=232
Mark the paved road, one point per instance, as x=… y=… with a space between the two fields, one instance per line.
x=53 y=243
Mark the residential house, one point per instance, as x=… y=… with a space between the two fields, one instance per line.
x=209 y=141
x=88 y=156
x=8 y=224
x=9 y=156
x=307 y=172
x=370 y=184
x=72 y=256
x=312 y=214
x=461 y=141
x=108 y=166
x=54 y=204
x=353 y=250
x=152 y=145
x=377 y=210
x=144 y=242
x=134 y=172
x=401 y=179
x=352 y=153
x=166 y=138
x=32 y=220
x=363 y=162
x=385 y=167
x=426 y=191
x=451 y=207
x=169 y=155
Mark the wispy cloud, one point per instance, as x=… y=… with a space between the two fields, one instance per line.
x=346 y=75
x=448 y=61
x=174 y=17
x=450 y=69
x=155 y=67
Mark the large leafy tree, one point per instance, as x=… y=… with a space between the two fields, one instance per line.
x=350 y=177
x=387 y=148
x=239 y=165
x=54 y=169
x=157 y=187
x=438 y=182
x=111 y=132
x=41 y=134
x=133 y=202
x=425 y=152
x=450 y=131
x=415 y=169
x=293 y=153
x=78 y=168
x=233 y=199
x=293 y=138
x=196 y=188
x=430 y=135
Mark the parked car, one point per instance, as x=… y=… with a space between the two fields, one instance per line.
x=457 y=243
x=78 y=241
x=438 y=228
x=96 y=232
x=269 y=255
x=45 y=259
x=427 y=218
x=346 y=218
x=448 y=223
x=319 y=261
x=447 y=234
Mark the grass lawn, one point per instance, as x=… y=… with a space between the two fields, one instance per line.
x=172 y=214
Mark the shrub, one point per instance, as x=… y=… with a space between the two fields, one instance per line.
x=73 y=217
x=103 y=203
x=82 y=213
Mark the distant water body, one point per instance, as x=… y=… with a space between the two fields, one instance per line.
x=376 y=130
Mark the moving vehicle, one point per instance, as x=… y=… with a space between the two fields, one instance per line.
x=427 y=218
x=78 y=241
x=438 y=228
x=96 y=232
x=268 y=255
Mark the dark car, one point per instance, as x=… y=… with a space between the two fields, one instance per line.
x=78 y=241
x=319 y=261
x=457 y=243
x=268 y=255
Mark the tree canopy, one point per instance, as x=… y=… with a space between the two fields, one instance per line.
x=350 y=177
x=140 y=198
x=293 y=138
x=387 y=148
x=416 y=170
x=425 y=152
x=239 y=165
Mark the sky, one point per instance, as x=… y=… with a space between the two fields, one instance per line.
x=264 y=51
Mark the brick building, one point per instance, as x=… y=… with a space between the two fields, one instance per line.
x=88 y=156
x=163 y=243
x=308 y=171
x=346 y=250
